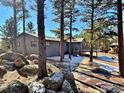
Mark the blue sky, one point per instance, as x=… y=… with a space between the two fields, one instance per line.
x=6 y=12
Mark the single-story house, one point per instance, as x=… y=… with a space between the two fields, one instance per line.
x=52 y=45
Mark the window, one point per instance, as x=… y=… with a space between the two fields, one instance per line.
x=33 y=43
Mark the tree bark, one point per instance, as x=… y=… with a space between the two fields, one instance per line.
x=62 y=32
x=24 y=48
x=120 y=39
x=15 y=27
x=42 y=43
x=92 y=27
x=70 y=36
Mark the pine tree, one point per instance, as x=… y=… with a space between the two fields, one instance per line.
x=70 y=13
x=17 y=8
x=23 y=9
x=62 y=32
x=93 y=10
x=41 y=40
x=70 y=18
x=30 y=27
x=120 y=38
x=15 y=26
x=6 y=31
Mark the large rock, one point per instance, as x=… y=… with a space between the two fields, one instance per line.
x=36 y=87
x=1 y=82
x=54 y=82
x=70 y=78
x=3 y=62
x=19 y=63
x=50 y=91
x=35 y=61
x=3 y=71
x=10 y=66
x=101 y=71
x=62 y=92
x=10 y=56
x=66 y=86
x=1 y=51
x=14 y=87
x=33 y=56
x=28 y=70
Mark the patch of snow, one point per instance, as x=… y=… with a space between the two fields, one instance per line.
x=36 y=87
x=74 y=59
x=105 y=58
x=72 y=63
x=108 y=67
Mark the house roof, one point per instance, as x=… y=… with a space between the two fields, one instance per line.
x=51 y=38
x=35 y=35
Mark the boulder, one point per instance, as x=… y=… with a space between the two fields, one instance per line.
x=115 y=89
x=10 y=66
x=3 y=62
x=28 y=70
x=62 y=92
x=1 y=82
x=66 y=86
x=71 y=91
x=70 y=78
x=101 y=71
x=3 y=71
x=10 y=56
x=35 y=61
x=1 y=51
x=54 y=82
x=36 y=87
x=50 y=91
x=19 y=63
x=14 y=87
x=33 y=56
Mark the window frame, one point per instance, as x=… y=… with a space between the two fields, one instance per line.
x=33 y=43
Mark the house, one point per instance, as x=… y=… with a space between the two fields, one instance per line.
x=52 y=45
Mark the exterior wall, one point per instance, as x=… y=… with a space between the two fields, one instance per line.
x=28 y=39
x=52 y=47
x=76 y=46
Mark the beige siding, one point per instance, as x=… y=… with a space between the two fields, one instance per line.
x=52 y=47
x=28 y=40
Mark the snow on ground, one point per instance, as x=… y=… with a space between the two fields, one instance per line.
x=72 y=64
x=108 y=59
x=108 y=67
x=74 y=59
x=79 y=59
x=105 y=58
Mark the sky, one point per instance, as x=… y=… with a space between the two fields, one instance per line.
x=6 y=12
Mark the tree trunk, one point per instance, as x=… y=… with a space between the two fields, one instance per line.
x=120 y=39
x=70 y=36
x=62 y=32
x=24 y=48
x=42 y=43
x=15 y=27
x=92 y=27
